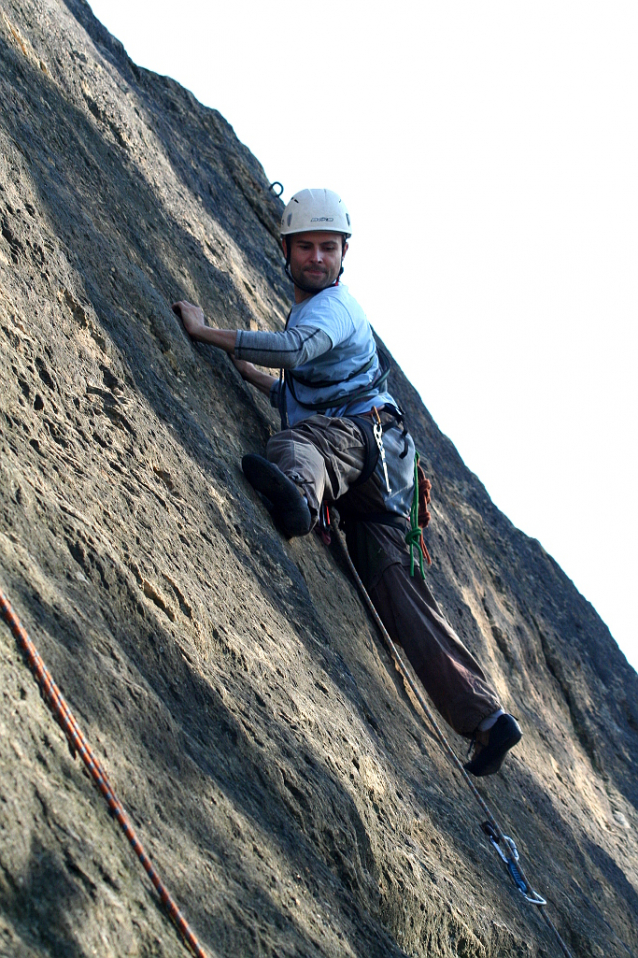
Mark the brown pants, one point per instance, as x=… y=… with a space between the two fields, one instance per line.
x=324 y=457
x=450 y=674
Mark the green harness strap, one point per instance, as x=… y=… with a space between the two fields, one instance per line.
x=413 y=535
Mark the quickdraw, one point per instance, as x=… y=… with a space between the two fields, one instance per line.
x=377 y=430
x=510 y=860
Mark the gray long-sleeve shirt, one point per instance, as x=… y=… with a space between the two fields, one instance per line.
x=285 y=350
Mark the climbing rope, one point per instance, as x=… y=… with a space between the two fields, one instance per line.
x=502 y=843
x=78 y=745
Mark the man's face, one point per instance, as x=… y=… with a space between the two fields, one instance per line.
x=315 y=258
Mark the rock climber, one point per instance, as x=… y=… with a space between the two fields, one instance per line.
x=343 y=440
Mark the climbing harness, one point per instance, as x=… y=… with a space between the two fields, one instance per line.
x=290 y=377
x=503 y=844
x=78 y=746
x=363 y=422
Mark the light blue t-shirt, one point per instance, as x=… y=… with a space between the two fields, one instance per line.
x=344 y=370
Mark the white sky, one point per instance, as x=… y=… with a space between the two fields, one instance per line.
x=488 y=154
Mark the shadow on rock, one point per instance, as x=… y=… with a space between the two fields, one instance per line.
x=46 y=902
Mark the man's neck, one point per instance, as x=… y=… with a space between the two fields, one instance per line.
x=301 y=295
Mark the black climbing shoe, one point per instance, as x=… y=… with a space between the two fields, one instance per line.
x=503 y=736
x=289 y=506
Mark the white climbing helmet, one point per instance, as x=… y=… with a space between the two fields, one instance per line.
x=316 y=211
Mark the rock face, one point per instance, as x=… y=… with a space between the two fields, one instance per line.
x=254 y=726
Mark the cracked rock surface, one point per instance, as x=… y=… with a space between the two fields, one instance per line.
x=280 y=777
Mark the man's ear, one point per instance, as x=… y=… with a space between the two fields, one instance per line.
x=284 y=247
x=344 y=250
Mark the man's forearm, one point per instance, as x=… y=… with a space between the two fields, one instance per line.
x=222 y=338
x=255 y=377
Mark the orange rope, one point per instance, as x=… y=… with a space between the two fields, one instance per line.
x=424 y=515
x=78 y=744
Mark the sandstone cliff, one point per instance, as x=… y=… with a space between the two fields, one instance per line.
x=231 y=682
